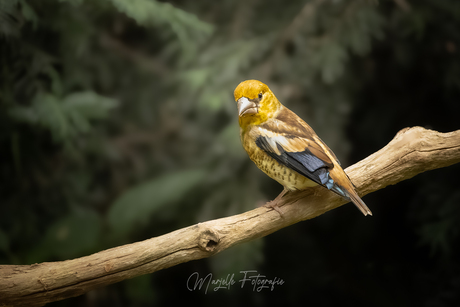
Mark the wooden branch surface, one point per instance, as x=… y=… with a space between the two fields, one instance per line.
x=412 y=151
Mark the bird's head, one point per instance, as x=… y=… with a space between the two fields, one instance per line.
x=256 y=103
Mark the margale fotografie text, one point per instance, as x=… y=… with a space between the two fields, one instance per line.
x=249 y=278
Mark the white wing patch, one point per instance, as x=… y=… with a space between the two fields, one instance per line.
x=274 y=139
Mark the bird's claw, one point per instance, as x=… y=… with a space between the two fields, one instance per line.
x=273 y=205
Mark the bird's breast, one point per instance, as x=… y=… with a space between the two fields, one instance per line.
x=289 y=178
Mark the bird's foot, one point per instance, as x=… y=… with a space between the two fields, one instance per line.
x=273 y=205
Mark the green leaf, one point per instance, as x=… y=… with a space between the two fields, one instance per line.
x=28 y=13
x=150 y=12
x=64 y=118
x=9 y=18
x=134 y=207
x=187 y=28
x=50 y=115
x=84 y=106
x=88 y=104
x=24 y=114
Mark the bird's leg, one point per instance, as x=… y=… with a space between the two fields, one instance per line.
x=274 y=203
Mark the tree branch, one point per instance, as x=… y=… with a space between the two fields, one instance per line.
x=412 y=151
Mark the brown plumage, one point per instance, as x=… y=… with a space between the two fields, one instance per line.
x=286 y=148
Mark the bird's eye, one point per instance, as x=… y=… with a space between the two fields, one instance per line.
x=260 y=95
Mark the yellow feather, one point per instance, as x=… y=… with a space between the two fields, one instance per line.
x=268 y=106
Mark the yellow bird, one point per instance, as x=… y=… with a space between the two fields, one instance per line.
x=286 y=148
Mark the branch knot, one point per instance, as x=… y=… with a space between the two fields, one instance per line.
x=208 y=240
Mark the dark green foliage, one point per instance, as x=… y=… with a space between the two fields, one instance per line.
x=134 y=207
x=117 y=123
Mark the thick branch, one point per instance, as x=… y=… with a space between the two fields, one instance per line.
x=411 y=152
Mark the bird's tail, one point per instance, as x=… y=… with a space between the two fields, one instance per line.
x=346 y=189
x=359 y=203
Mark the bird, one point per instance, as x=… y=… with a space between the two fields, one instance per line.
x=286 y=148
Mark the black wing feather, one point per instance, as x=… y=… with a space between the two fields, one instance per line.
x=304 y=162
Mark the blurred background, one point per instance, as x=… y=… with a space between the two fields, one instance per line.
x=118 y=124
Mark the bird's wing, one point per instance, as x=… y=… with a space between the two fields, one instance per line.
x=291 y=142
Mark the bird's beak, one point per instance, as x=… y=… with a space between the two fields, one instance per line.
x=246 y=107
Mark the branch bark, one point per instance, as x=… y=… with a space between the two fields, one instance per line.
x=412 y=151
